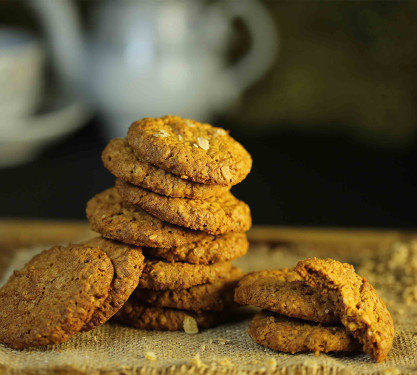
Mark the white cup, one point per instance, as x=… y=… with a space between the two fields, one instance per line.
x=21 y=75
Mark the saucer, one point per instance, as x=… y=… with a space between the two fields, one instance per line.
x=25 y=138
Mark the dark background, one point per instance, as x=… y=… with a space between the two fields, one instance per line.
x=331 y=128
x=307 y=180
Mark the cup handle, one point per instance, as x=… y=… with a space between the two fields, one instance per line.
x=265 y=42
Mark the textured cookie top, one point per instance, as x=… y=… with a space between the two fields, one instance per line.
x=114 y=218
x=215 y=296
x=53 y=295
x=119 y=159
x=291 y=335
x=214 y=215
x=212 y=249
x=361 y=311
x=285 y=292
x=128 y=263
x=161 y=275
x=189 y=149
x=158 y=318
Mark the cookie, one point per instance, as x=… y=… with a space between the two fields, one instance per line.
x=212 y=249
x=161 y=275
x=360 y=309
x=189 y=149
x=119 y=159
x=52 y=297
x=285 y=292
x=128 y=263
x=291 y=335
x=113 y=218
x=215 y=296
x=214 y=215
x=162 y=319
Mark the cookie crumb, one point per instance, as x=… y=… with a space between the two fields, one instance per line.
x=190 y=325
x=222 y=341
x=189 y=124
x=150 y=356
x=152 y=236
x=226 y=362
x=195 y=145
x=272 y=363
x=180 y=137
x=161 y=133
x=203 y=143
x=220 y=132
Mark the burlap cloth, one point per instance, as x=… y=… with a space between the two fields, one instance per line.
x=113 y=349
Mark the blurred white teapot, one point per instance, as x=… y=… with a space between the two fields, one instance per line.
x=150 y=58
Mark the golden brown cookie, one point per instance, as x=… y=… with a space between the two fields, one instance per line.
x=214 y=215
x=285 y=292
x=128 y=263
x=189 y=149
x=215 y=296
x=113 y=218
x=163 y=319
x=162 y=275
x=292 y=335
x=213 y=249
x=53 y=295
x=360 y=309
x=119 y=159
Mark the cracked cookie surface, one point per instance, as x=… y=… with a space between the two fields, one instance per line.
x=190 y=149
x=285 y=292
x=361 y=310
x=53 y=295
x=119 y=159
x=292 y=335
x=116 y=219
x=214 y=215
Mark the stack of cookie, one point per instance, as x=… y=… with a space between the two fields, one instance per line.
x=321 y=306
x=172 y=199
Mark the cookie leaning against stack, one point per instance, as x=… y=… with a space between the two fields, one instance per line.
x=65 y=290
x=322 y=306
x=172 y=199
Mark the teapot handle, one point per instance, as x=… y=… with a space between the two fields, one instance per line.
x=264 y=47
x=63 y=34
